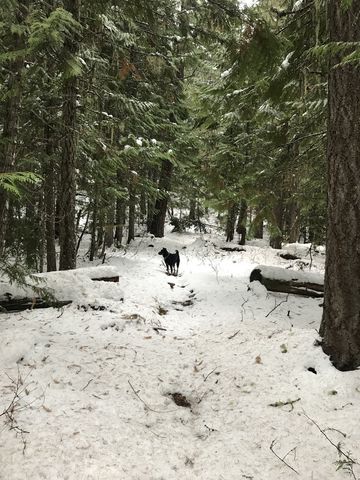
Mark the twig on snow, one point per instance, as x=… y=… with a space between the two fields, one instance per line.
x=208 y=375
x=203 y=395
x=146 y=405
x=234 y=335
x=157 y=329
x=14 y=407
x=243 y=308
x=88 y=383
x=282 y=459
x=349 y=460
x=283 y=404
x=278 y=305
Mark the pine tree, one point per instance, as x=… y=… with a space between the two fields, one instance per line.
x=340 y=325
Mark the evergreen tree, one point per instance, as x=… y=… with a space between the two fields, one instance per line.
x=340 y=326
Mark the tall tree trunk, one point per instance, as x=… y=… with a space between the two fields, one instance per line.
x=42 y=231
x=109 y=228
x=277 y=236
x=94 y=224
x=132 y=204
x=230 y=223
x=120 y=220
x=259 y=229
x=192 y=210
x=100 y=229
x=241 y=223
x=68 y=159
x=157 y=226
x=49 y=198
x=293 y=221
x=340 y=325
x=143 y=209
x=12 y=95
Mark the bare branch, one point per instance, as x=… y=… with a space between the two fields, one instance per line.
x=281 y=459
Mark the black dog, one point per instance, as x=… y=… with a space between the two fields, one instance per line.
x=171 y=259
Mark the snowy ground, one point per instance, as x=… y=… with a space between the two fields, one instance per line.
x=95 y=387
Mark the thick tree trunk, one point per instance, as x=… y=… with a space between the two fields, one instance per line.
x=143 y=209
x=120 y=221
x=94 y=224
x=12 y=95
x=100 y=229
x=192 y=210
x=68 y=160
x=230 y=223
x=132 y=204
x=340 y=325
x=49 y=199
x=276 y=238
x=259 y=230
x=109 y=228
x=241 y=223
x=258 y=224
x=158 y=220
x=42 y=231
x=293 y=224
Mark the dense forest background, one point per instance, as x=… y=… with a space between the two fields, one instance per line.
x=115 y=114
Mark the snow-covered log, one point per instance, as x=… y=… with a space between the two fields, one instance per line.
x=65 y=286
x=100 y=273
x=278 y=279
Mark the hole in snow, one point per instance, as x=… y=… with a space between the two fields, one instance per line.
x=180 y=400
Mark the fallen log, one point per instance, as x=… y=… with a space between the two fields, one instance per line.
x=21 y=304
x=233 y=249
x=289 y=256
x=277 y=279
x=98 y=274
x=63 y=285
x=107 y=279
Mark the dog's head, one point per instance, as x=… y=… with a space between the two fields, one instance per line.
x=163 y=252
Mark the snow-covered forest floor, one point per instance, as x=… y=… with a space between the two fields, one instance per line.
x=97 y=387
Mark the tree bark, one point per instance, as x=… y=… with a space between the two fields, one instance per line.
x=157 y=226
x=109 y=227
x=241 y=223
x=68 y=160
x=259 y=230
x=49 y=199
x=278 y=213
x=120 y=221
x=94 y=224
x=340 y=325
x=132 y=204
x=192 y=210
x=143 y=209
x=230 y=223
x=12 y=94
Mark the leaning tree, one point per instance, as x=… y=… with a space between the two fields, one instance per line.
x=340 y=326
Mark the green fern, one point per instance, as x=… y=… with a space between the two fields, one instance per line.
x=11 y=182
